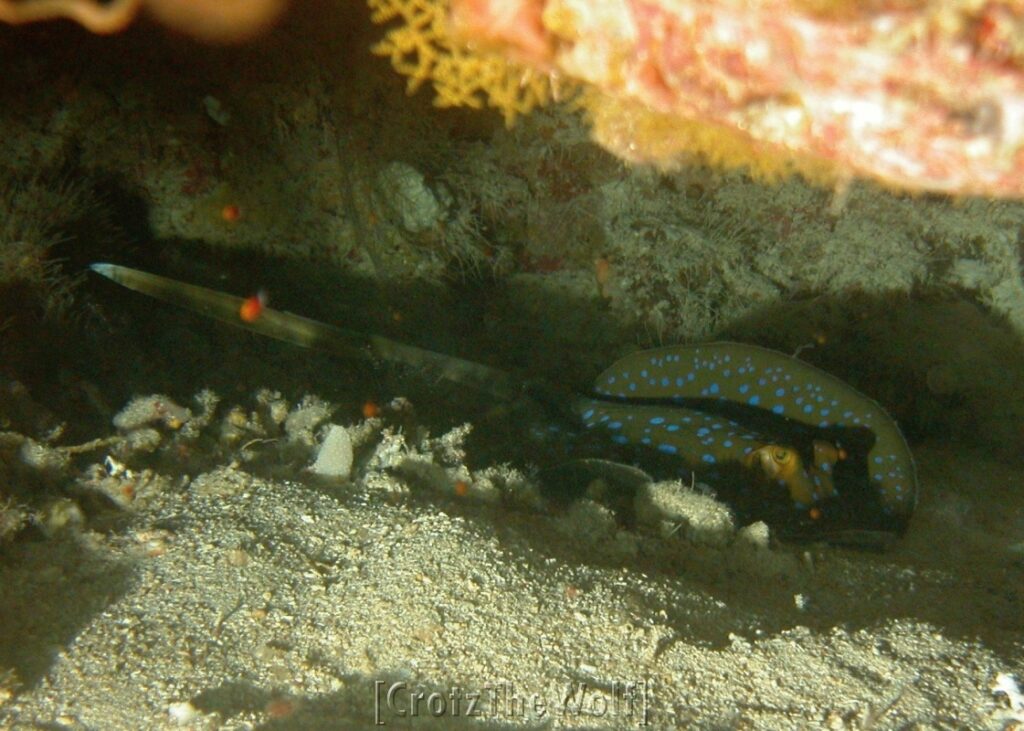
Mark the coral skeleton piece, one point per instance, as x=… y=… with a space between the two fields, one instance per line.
x=96 y=16
x=922 y=96
x=216 y=21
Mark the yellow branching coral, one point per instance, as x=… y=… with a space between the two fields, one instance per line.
x=422 y=49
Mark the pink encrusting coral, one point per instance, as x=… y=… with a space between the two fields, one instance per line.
x=923 y=96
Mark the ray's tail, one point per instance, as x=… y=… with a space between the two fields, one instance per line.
x=310 y=333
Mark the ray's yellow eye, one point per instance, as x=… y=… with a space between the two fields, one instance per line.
x=775 y=460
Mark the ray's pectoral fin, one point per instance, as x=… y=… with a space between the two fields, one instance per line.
x=777 y=438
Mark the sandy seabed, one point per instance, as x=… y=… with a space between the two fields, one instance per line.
x=227 y=600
